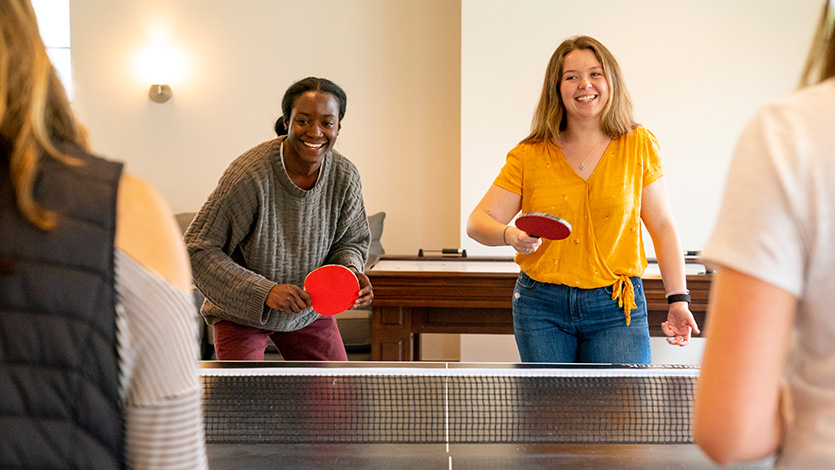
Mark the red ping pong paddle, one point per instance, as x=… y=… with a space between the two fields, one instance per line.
x=540 y=224
x=332 y=288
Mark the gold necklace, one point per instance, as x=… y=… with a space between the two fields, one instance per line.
x=583 y=163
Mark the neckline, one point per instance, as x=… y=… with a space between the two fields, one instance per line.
x=319 y=176
x=565 y=161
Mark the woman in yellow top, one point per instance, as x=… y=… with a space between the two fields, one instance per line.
x=588 y=162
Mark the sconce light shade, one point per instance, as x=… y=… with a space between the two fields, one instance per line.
x=160 y=93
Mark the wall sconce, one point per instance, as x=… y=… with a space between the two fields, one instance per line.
x=160 y=93
x=162 y=66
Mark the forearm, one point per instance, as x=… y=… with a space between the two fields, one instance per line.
x=215 y=234
x=487 y=223
x=737 y=414
x=354 y=236
x=670 y=256
x=228 y=285
x=486 y=230
x=350 y=255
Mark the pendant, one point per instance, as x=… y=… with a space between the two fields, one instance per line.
x=582 y=167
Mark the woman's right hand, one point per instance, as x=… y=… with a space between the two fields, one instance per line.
x=521 y=241
x=288 y=298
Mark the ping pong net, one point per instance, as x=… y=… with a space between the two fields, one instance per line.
x=364 y=402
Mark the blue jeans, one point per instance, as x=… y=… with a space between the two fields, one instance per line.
x=557 y=323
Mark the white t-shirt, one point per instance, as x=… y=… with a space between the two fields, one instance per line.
x=777 y=224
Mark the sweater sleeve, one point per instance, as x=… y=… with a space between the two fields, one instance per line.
x=213 y=240
x=353 y=237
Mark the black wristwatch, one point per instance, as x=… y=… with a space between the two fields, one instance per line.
x=679 y=298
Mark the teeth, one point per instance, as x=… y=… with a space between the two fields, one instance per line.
x=312 y=146
x=587 y=98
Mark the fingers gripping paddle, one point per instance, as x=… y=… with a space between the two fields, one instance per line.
x=332 y=288
x=542 y=225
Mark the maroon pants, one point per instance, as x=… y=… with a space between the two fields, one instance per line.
x=318 y=341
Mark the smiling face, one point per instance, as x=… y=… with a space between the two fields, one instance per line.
x=583 y=86
x=312 y=128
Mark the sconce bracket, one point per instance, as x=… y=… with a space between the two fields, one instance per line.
x=160 y=93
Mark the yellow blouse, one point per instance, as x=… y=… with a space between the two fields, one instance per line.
x=606 y=242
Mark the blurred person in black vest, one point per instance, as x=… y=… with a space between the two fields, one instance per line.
x=98 y=352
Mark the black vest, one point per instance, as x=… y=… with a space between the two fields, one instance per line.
x=59 y=385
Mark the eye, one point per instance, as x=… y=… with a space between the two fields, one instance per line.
x=327 y=124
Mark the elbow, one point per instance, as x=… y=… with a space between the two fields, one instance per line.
x=471 y=229
x=725 y=453
x=716 y=448
x=725 y=446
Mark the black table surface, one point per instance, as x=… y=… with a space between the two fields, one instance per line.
x=462 y=456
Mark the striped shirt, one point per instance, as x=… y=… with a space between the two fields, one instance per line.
x=156 y=327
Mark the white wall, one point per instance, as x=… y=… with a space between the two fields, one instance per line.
x=696 y=71
x=398 y=60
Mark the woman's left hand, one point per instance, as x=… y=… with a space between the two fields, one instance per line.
x=366 y=294
x=680 y=324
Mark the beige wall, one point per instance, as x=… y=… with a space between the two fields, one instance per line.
x=398 y=60
x=439 y=91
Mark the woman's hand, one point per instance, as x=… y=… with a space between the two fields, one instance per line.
x=679 y=325
x=288 y=298
x=366 y=294
x=521 y=241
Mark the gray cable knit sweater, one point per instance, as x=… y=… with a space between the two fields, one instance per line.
x=258 y=229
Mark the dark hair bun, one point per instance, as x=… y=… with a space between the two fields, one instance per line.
x=280 y=128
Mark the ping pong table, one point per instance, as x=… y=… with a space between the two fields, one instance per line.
x=375 y=415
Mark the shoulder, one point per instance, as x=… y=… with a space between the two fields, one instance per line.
x=147 y=231
x=640 y=135
x=254 y=161
x=809 y=99
x=639 y=141
x=812 y=108
x=85 y=168
x=527 y=150
x=343 y=167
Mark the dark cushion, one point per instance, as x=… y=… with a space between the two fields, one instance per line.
x=375 y=222
x=184 y=220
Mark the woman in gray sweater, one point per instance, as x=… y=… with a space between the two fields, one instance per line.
x=281 y=210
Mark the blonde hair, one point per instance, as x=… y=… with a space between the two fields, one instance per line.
x=34 y=109
x=820 y=64
x=549 y=117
